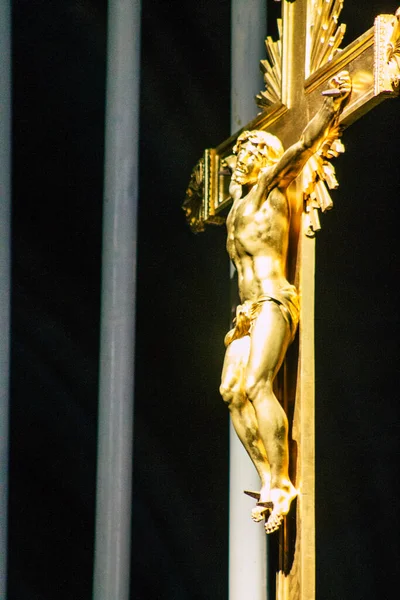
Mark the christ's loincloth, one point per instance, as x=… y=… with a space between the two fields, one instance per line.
x=288 y=301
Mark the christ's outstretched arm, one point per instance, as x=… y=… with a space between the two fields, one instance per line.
x=293 y=160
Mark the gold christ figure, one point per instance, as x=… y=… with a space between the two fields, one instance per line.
x=266 y=320
x=275 y=199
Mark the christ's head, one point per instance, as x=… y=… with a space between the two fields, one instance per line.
x=255 y=150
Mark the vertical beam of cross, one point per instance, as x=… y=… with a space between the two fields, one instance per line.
x=115 y=420
x=5 y=209
x=247 y=543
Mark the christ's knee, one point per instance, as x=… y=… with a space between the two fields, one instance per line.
x=259 y=390
x=232 y=396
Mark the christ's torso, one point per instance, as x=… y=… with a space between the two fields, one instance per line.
x=257 y=243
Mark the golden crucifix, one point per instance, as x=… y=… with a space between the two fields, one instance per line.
x=314 y=90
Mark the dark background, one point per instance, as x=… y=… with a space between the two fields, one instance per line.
x=181 y=426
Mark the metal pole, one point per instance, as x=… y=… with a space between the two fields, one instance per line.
x=247 y=541
x=116 y=380
x=5 y=209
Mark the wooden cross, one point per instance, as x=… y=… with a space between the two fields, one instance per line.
x=300 y=64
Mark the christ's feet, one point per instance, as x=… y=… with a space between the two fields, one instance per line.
x=264 y=503
x=281 y=499
x=258 y=512
x=274 y=522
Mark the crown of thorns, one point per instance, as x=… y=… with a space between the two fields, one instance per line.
x=268 y=145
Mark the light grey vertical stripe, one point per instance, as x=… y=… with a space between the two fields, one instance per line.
x=247 y=543
x=5 y=209
x=115 y=425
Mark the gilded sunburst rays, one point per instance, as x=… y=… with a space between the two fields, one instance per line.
x=325 y=32
x=324 y=39
x=272 y=69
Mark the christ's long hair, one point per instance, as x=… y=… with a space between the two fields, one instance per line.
x=268 y=145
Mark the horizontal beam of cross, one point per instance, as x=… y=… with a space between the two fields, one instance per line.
x=373 y=61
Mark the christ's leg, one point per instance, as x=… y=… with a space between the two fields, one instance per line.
x=243 y=415
x=269 y=340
